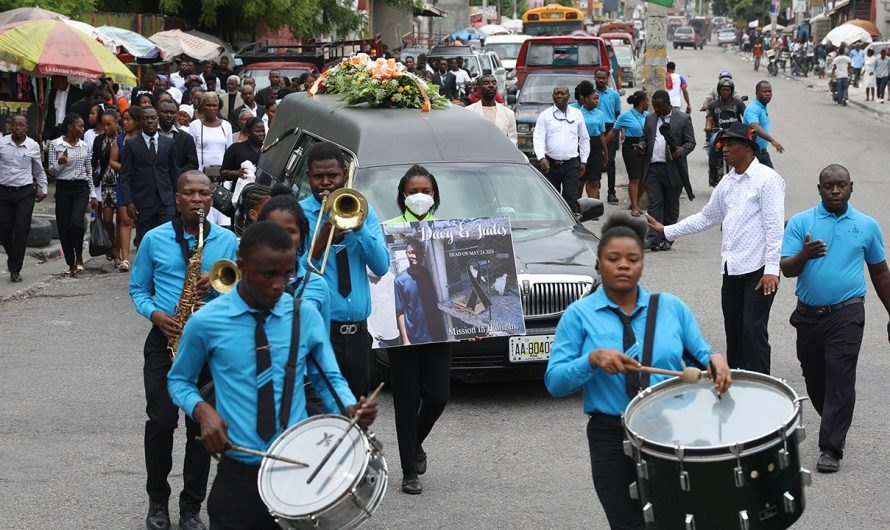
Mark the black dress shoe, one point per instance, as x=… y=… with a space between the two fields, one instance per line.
x=665 y=245
x=191 y=521
x=158 y=517
x=828 y=463
x=421 y=463
x=654 y=246
x=411 y=485
x=15 y=277
x=612 y=198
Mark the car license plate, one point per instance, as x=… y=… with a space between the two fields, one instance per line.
x=533 y=348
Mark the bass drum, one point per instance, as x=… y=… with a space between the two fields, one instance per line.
x=710 y=463
x=345 y=493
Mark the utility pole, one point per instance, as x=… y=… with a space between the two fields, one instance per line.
x=655 y=58
x=773 y=15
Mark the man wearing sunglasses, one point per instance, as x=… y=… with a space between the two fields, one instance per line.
x=561 y=144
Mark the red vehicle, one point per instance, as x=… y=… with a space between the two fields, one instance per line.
x=617 y=27
x=289 y=69
x=558 y=53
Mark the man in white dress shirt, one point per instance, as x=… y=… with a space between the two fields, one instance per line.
x=488 y=108
x=561 y=142
x=750 y=204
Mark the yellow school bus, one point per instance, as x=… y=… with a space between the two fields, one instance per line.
x=552 y=19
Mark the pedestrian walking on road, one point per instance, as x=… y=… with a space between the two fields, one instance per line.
x=841 y=71
x=666 y=170
x=22 y=183
x=183 y=143
x=632 y=122
x=131 y=123
x=825 y=248
x=587 y=99
x=69 y=163
x=106 y=150
x=882 y=73
x=676 y=87
x=561 y=142
x=610 y=105
x=156 y=286
x=757 y=54
x=868 y=75
x=491 y=110
x=857 y=61
x=420 y=370
x=587 y=356
x=749 y=205
x=757 y=117
x=58 y=104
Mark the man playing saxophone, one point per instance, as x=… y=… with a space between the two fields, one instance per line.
x=158 y=283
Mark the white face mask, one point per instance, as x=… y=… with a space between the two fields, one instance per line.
x=419 y=203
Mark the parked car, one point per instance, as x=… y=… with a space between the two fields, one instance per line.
x=536 y=96
x=686 y=36
x=727 y=36
x=479 y=173
x=260 y=71
x=626 y=64
x=878 y=46
x=562 y=53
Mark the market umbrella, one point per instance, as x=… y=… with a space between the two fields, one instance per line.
x=24 y=14
x=133 y=47
x=846 y=34
x=769 y=28
x=867 y=26
x=176 y=42
x=102 y=38
x=52 y=47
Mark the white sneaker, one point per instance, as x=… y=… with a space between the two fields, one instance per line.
x=882 y=101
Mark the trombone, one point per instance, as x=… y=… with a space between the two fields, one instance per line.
x=346 y=209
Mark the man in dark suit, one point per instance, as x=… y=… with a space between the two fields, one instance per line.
x=273 y=92
x=87 y=102
x=445 y=79
x=184 y=144
x=148 y=176
x=247 y=96
x=66 y=94
x=666 y=171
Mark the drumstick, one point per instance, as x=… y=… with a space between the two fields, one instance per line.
x=352 y=423
x=688 y=375
x=248 y=450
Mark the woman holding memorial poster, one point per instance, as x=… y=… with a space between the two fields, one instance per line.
x=420 y=369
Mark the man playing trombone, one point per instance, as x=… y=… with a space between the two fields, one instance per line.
x=354 y=251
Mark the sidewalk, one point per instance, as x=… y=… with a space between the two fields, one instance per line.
x=855 y=98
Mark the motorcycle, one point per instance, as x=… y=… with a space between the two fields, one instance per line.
x=772 y=66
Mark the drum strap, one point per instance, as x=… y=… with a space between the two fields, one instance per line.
x=649 y=338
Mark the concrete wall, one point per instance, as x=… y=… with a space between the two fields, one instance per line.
x=390 y=22
x=458 y=16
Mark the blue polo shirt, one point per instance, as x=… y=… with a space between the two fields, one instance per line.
x=852 y=240
x=222 y=335
x=610 y=104
x=631 y=122
x=857 y=58
x=756 y=113
x=593 y=119
x=159 y=270
x=367 y=250
x=590 y=324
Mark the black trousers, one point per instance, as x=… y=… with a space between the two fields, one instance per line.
x=564 y=177
x=16 y=207
x=764 y=158
x=828 y=350
x=353 y=354
x=147 y=219
x=421 y=383
x=235 y=502
x=746 y=320
x=163 y=417
x=613 y=472
x=664 y=199
x=610 y=167
x=72 y=201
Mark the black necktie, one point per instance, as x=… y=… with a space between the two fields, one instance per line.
x=631 y=379
x=344 y=282
x=151 y=146
x=265 y=395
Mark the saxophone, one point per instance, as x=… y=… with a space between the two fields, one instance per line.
x=189 y=302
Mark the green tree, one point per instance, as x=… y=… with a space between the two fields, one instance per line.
x=71 y=8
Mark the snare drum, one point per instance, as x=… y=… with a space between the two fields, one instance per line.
x=346 y=491
x=709 y=463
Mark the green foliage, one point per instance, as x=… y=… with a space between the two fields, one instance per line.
x=71 y=8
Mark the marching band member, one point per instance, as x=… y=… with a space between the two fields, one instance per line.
x=420 y=373
x=353 y=252
x=156 y=285
x=250 y=388
x=587 y=355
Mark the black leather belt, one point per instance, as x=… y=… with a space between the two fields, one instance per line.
x=15 y=188
x=825 y=309
x=348 y=328
x=561 y=162
x=230 y=466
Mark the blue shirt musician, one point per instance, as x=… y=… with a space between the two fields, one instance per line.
x=826 y=248
x=587 y=356
x=353 y=252
x=251 y=405
x=156 y=285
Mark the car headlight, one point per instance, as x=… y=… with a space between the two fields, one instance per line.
x=524 y=128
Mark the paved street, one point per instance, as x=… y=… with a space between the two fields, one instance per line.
x=502 y=456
